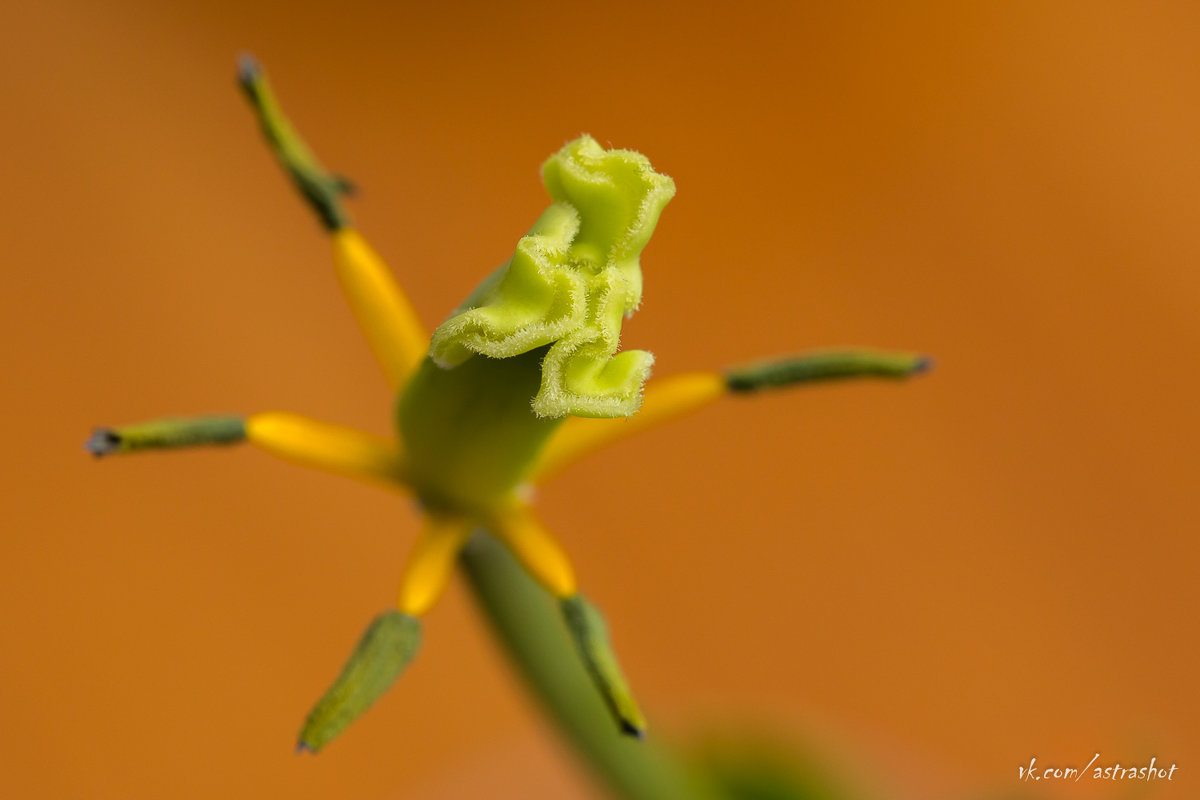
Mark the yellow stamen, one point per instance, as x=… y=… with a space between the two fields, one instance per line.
x=332 y=448
x=536 y=549
x=384 y=313
x=666 y=399
x=431 y=563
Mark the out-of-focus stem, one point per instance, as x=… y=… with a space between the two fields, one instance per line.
x=528 y=625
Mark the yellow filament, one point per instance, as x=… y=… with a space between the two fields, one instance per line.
x=431 y=563
x=332 y=448
x=387 y=318
x=666 y=399
x=536 y=549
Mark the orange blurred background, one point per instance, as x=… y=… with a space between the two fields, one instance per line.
x=932 y=583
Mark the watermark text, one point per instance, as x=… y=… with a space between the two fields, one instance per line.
x=1098 y=770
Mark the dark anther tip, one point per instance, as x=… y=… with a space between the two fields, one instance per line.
x=102 y=442
x=303 y=747
x=249 y=69
x=629 y=729
x=922 y=365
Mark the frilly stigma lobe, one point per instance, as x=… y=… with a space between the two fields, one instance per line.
x=571 y=281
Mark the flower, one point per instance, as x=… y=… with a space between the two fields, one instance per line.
x=520 y=382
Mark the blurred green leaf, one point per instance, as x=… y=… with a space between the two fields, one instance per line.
x=757 y=767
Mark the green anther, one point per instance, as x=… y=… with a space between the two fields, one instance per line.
x=167 y=433
x=321 y=188
x=590 y=633
x=823 y=366
x=386 y=648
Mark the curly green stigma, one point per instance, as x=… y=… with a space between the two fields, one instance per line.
x=571 y=281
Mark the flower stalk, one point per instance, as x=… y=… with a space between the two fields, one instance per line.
x=533 y=636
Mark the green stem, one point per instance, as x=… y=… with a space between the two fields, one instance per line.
x=528 y=625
